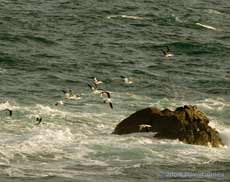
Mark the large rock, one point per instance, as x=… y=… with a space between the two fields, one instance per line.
x=187 y=123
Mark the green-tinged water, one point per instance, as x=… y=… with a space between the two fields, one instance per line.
x=48 y=46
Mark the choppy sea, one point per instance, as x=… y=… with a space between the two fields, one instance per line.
x=49 y=46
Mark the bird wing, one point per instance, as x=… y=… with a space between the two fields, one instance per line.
x=168 y=50
x=90 y=86
x=111 y=105
x=107 y=93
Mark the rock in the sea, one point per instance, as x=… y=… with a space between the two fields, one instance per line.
x=187 y=123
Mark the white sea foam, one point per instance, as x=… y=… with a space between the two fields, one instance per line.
x=40 y=111
x=206 y=26
x=89 y=143
x=38 y=141
x=8 y=105
x=126 y=16
x=213 y=104
x=225 y=136
x=47 y=110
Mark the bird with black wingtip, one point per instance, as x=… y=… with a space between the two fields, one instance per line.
x=107 y=100
x=69 y=94
x=96 y=81
x=39 y=119
x=94 y=88
x=167 y=53
x=126 y=80
x=10 y=111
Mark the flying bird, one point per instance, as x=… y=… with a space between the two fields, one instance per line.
x=69 y=94
x=39 y=119
x=108 y=99
x=167 y=52
x=126 y=80
x=60 y=102
x=97 y=82
x=94 y=89
x=10 y=111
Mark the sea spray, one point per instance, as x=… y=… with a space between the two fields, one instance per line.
x=225 y=136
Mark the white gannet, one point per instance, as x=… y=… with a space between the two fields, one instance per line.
x=97 y=82
x=167 y=53
x=60 y=102
x=126 y=80
x=39 y=119
x=108 y=99
x=94 y=89
x=71 y=95
x=144 y=126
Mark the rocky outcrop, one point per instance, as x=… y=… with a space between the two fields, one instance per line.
x=187 y=123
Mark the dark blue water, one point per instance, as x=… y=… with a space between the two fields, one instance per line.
x=49 y=46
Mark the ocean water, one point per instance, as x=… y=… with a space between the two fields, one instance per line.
x=48 y=46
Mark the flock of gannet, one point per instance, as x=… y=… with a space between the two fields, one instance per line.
x=70 y=95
